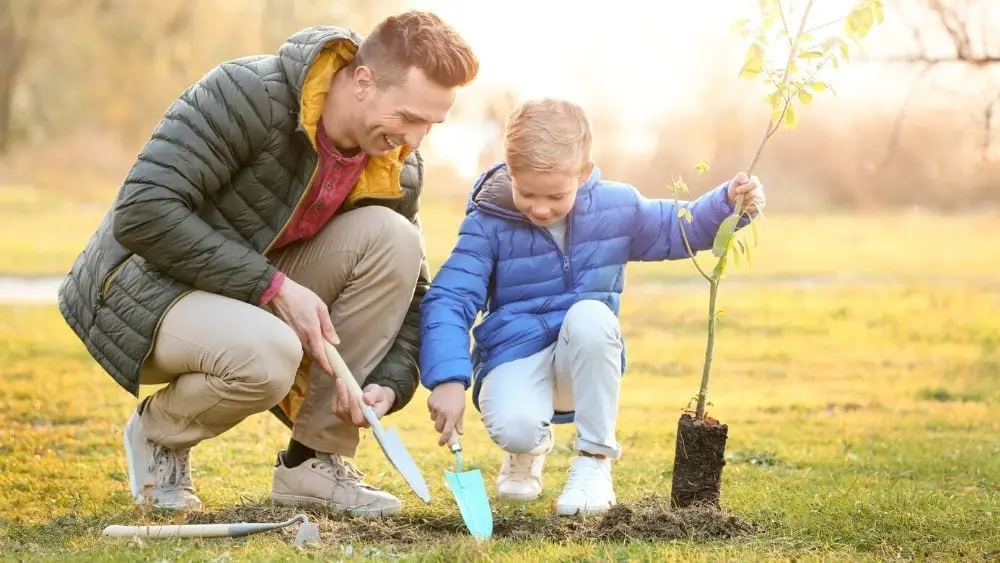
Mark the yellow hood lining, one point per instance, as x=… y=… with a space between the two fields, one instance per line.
x=381 y=176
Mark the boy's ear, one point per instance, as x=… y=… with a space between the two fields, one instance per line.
x=585 y=172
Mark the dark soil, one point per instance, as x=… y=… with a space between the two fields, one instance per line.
x=698 y=461
x=649 y=519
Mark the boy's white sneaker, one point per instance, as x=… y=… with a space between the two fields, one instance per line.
x=589 y=489
x=520 y=477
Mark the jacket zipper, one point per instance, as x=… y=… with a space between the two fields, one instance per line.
x=566 y=266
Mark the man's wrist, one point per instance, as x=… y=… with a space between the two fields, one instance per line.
x=273 y=288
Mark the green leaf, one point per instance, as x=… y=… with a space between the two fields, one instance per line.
x=804 y=96
x=701 y=166
x=818 y=86
x=878 y=10
x=754 y=61
x=685 y=213
x=791 y=117
x=724 y=236
x=748 y=252
x=738 y=25
x=811 y=55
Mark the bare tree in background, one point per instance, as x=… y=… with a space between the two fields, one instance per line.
x=18 y=22
x=280 y=18
x=949 y=33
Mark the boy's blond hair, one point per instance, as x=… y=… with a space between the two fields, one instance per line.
x=547 y=135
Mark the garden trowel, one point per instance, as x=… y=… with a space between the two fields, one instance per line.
x=392 y=446
x=470 y=494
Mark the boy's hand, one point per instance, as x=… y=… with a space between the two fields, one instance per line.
x=752 y=191
x=447 y=405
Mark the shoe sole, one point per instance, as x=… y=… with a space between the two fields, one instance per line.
x=173 y=507
x=563 y=510
x=133 y=480
x=295 y=500
x=526 y=497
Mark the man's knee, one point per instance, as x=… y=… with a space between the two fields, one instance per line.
x=590 y=324
x=266 y=361
x=394 y=240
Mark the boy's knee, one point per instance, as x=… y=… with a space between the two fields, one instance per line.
x=518 y=434
x=591 y=324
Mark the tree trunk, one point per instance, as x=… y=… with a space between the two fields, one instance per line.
x=14 y=32
x=698 y=461
x=6 y=102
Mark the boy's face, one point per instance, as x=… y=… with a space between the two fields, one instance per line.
x=546 y=197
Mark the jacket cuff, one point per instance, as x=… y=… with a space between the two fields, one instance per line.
x=272 y=288
x=453 y=379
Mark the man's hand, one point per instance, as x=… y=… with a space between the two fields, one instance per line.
x=309 y=317
x=752 y=191
x=447 y=405
x=347 y=408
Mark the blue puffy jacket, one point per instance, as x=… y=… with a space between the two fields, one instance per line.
x=512 y=271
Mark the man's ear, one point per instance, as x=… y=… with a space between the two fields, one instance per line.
x=586 y=171
x=363 y=79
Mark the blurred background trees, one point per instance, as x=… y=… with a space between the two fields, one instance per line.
x=82 y=82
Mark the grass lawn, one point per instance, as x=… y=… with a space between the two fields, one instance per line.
x=863 y=416
x=42 y=232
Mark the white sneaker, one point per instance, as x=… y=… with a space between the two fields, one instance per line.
x=520 y=477
x=589 y=489
x=157 y=476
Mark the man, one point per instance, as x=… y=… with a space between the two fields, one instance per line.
x=274 y=206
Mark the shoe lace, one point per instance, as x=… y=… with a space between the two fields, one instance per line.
x=520 y=464
x=339 y=468
x=580 y=474
x=171 y=467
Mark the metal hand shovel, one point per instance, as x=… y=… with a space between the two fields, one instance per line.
x=470 y=494
x=392 y=446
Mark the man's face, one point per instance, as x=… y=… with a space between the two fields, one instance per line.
x=399 y=114
x=545 y=197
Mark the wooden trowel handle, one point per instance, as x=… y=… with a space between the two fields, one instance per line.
x=454 y=443
x=341 y=370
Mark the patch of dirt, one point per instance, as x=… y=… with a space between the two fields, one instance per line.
x=648 y=519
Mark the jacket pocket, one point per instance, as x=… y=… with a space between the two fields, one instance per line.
x=108 y=278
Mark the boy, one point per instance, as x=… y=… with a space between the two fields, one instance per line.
x=542 y=252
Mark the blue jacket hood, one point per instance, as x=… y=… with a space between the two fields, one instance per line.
x=493 y=192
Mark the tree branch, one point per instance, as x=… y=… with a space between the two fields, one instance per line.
x=897 y=125
x=825 y=25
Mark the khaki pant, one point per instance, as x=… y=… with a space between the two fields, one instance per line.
x=224 y=359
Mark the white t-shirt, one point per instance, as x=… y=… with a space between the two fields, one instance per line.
x=558 y=231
